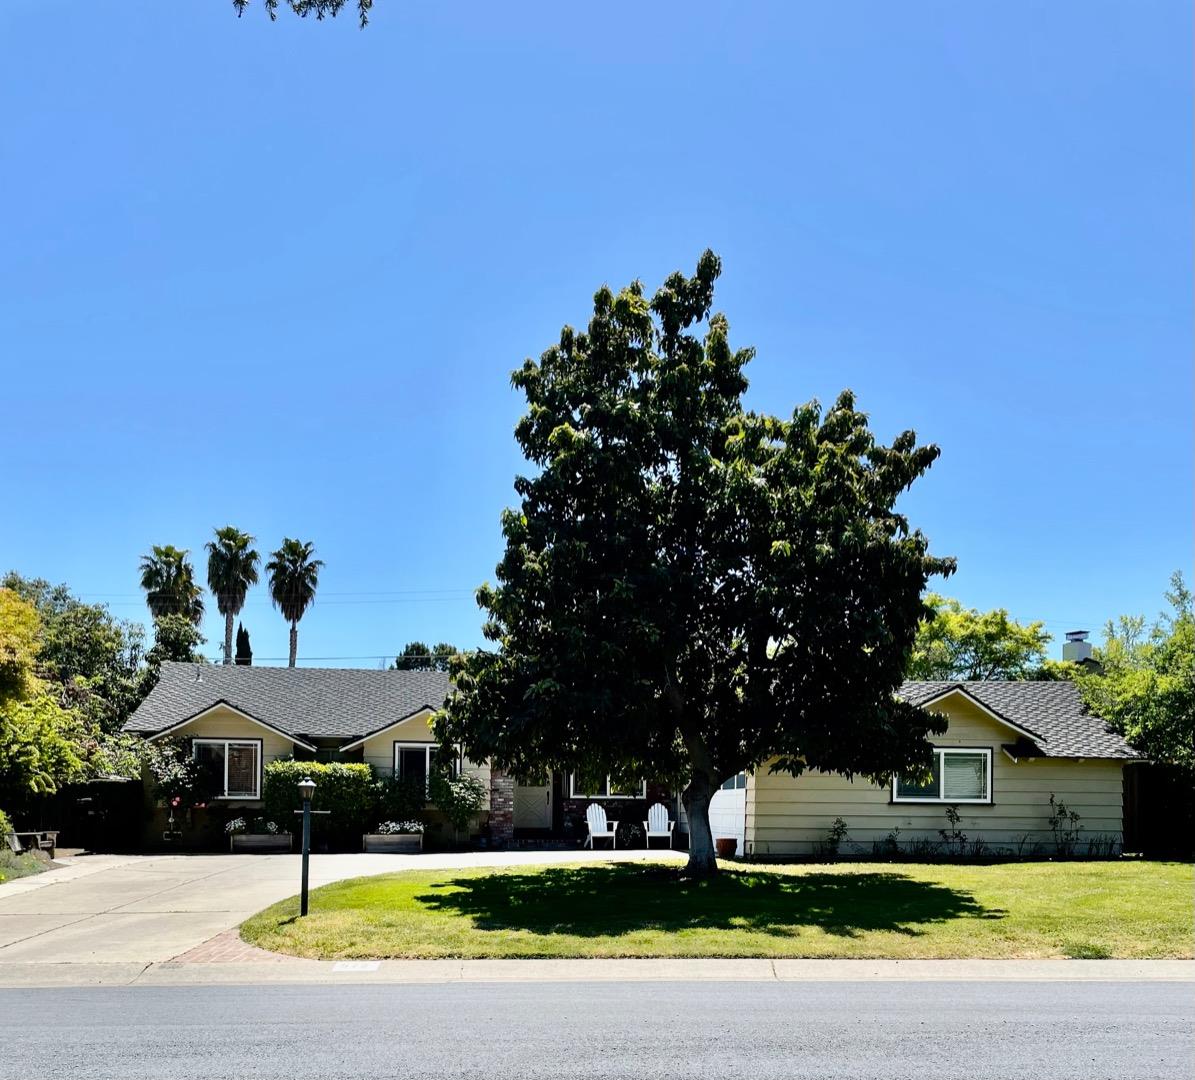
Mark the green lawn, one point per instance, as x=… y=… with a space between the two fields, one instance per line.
x=1077 y=909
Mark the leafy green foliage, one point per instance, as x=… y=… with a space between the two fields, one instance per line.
x=294 y=577
x=690 y=589
x=1146 y=688
x=231 y=570
x=399 y=798
x=965 y=643
x=95 y=658
x=458 y=798
x=416 y=656
x=178 y=778
x=5 y=824
x=346 y=789
x=169 y=583
x=175 y=638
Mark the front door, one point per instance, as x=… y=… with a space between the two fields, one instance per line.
x=533 y=806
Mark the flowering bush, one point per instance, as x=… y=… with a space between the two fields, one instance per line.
x=236 y=825
x=391 y=828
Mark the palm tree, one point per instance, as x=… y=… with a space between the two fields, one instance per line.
x=231 y=569
x=294 y=575
x=169 y=584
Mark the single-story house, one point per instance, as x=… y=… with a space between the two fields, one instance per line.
x=1008 y=747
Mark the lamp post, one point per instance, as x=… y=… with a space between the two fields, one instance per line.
x=306 y=791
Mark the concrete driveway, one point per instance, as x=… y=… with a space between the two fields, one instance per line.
x=150 y=908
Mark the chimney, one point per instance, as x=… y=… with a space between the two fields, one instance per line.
x=1077 y=648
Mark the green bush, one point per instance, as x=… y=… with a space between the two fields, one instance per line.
x=458 y=798
x=348 y=791
x=398 y=799
x=5 y=824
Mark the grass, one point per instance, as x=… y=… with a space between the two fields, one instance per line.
x=1072 y=909
x=15 y=866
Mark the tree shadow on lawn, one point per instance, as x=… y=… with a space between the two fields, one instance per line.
x=609 y=901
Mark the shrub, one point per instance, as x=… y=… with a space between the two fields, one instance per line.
x=458 y=798
x=348 y=791
x=835 y=838
x=1064 y=823
x=5 y=825
x=398 y=799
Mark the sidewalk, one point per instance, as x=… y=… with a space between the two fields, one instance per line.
x=281 y=970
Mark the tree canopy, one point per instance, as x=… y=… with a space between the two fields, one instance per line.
x=169 y=583
x=416 y=656
x=965 y=643
x=231 y=569
x=690 y=589
x=1145 y=686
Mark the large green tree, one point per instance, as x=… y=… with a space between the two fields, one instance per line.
x=231 y=570
x=965 y=643
x=169 y=583
x=690 y=589
x=94 y=656
x=294 y=577
x=1145 y=685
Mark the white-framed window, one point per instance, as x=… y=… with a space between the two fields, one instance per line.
x=238 y=761
x=736 y=783
x=605 y=789
x=958 y=775
x=413 y=760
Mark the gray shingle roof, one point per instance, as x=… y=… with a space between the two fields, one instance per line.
x=1052 y=712
x=318 y=703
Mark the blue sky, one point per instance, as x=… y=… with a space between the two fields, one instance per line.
x=277 y=275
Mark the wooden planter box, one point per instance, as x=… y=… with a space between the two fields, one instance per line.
x=392 y=843
x=260 y=843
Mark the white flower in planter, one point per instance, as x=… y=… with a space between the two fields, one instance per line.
x=395 y=828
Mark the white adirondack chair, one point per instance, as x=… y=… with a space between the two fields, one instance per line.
x=658 y=824
x=599 y=828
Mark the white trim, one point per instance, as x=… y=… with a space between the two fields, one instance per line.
x=243 y=715
x=226 y=743
x=980 y=705
x=573 y=793
x=382 y=730
x=942 y=751
x=426 y=747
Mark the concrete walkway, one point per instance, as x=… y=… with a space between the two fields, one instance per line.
x=146 y=909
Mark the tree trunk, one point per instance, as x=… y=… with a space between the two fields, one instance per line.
x=228 y=638
x=696 y=798
x=294 y=643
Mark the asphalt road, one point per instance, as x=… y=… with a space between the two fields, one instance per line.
x=892 y=1030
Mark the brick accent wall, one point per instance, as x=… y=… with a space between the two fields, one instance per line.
x=502 y=807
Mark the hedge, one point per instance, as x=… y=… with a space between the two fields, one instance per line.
x=348 y=791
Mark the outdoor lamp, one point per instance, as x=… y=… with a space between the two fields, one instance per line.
x=306 y=788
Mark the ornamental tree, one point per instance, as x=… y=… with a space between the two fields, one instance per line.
x=690 y=589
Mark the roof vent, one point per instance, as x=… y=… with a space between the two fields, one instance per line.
x=198 y=674
x=1077 y=648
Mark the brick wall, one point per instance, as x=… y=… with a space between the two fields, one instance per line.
x=502 y=807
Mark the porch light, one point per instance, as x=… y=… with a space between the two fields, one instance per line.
x=306 y=789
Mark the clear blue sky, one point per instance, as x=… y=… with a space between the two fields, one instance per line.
x=277 y=275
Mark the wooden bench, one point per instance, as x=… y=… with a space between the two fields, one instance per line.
x=42 y=839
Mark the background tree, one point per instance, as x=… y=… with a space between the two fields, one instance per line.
x=964 y=643
x=294 y=577
x=95 y=657
x=416 y=656
x=1146 y=688
x=231 y=570
x=244 y=657
x=321 y=9
x=688 y=589
x=169 y=583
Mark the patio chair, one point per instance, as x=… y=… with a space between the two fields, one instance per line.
x=599 y=829
x=658 y=824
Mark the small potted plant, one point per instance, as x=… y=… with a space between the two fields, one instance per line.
x=263 y=837
x=395 y=838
